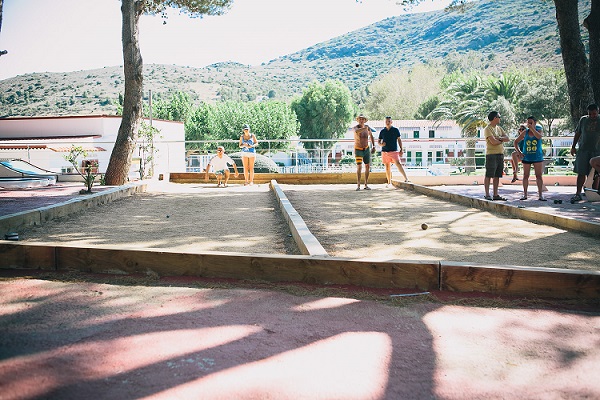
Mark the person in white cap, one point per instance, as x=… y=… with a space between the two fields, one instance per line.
x=220 y=163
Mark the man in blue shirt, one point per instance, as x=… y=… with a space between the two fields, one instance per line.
x=391 y=149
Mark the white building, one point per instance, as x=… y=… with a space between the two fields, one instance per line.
x=425 y=142
x=44 y=141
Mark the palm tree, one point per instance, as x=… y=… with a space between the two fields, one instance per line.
x=468 y=100
x=464 y=101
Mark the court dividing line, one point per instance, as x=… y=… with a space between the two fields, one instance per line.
x=306 y=241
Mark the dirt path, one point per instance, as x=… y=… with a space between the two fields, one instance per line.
x=386 y=224
x=108 y=341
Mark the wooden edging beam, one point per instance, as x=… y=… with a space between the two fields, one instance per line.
x=521 y=281
x=273 y=268
x=306 y=241
x=290 y=179
x=392 y=274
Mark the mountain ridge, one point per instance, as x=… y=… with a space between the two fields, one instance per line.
x=488 y=35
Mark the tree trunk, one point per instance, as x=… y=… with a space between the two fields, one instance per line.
x=470 y=163
x=574 y=58
x=592 y=23
x=120 y=159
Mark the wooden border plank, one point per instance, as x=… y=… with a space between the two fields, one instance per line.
x=520 y=281
x=31 y=256
x=306 y=269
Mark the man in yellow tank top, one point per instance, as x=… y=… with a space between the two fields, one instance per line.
x=495 y=137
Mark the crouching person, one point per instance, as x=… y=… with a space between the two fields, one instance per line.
x=220 y=163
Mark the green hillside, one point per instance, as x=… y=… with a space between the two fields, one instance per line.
x=488 y=35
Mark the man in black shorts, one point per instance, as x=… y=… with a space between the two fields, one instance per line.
x=587 y=134
x=494 y=155
x=362 y=152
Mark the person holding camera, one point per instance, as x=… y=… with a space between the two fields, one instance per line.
x=528 y=146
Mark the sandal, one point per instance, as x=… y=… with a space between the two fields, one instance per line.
x=488 y=198
x=514 y=179
x=542 y=199
x=523 y=198
x=498 y=198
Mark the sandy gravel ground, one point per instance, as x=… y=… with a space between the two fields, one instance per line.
x=192 y=218
x=386 y=224
x=85 y=340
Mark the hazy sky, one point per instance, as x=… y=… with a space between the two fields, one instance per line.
x=71 y=35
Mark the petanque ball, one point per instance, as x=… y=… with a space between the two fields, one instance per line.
x=356 y=65
x=424 y=226
x=168 y=216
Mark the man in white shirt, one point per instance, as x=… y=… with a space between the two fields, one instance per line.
x=221 y=163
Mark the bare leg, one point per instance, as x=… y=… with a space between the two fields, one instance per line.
x=486 y=186
x=227 y=176
x=401 y=169
x=251 y=161
x=367 y=169
x=539 y=171
x=246 y=163
x=580 y=181
x=526 y=173
x=495 y=184
x=358 y=174
x=514 y=161
x=388 y=172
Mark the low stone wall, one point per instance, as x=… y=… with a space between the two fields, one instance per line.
x=15 y=222
x=559 y=221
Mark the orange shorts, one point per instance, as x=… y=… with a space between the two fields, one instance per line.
x=390 y=156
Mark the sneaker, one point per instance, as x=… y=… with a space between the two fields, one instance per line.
x=576 y=198
x=542 y=199
x=367 y=188
x=358 y=188
x=488 y=198
x=498 y=198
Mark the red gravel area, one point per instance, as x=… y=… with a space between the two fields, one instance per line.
x=109 y=340
x=14 y=201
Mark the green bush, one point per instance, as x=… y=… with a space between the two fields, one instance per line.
x=262 y=164
x=347 y=159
